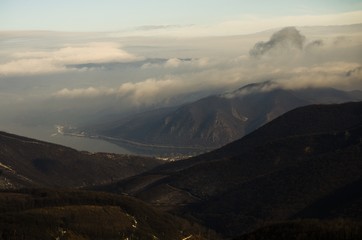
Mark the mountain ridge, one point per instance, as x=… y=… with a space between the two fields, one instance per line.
x=214 y=121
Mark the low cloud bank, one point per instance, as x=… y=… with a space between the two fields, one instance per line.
x=58 y=60
x=288 y=57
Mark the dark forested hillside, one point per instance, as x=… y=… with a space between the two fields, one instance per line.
x=308 y=157
x=314 y=229
x=73 y=214
x=28 y=162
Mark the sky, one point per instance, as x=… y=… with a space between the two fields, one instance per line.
x=207 y=17
x=76 y=62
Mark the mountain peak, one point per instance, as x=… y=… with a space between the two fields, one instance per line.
x=251 y=88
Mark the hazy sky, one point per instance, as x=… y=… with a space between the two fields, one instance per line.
x=213 y=16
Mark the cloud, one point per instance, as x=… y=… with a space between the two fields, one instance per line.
x=137 y=93
x=150 y=91
x=286 y=40
x=173 y=62
x=355 y=72
x=341 y=75
x=157 y=27
x=153 y=91
x=30 y=66
x=313 y=67
x=331 y=74
x=184 y=63
x=296 y=61
x=84 y=92
x=58 y=60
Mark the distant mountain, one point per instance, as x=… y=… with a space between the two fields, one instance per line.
x=216 y=120
x=26 y=162
x=304 y=164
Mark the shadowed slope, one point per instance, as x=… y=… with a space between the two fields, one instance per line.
x=28 y=162
x=272 y=174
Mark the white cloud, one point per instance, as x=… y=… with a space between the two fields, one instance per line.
x=145 y=92
x=84 y=92
x=30 y=66
x=58 y=60
x=288 y=57
x=174 y=63
x=150 y=91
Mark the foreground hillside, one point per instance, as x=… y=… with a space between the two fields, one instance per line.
x=28 y=162
x=308 y=230
x=76 y=215
x=304 y=164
